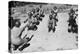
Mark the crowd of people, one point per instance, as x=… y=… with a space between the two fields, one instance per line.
x=52 y=20
x=72 y=21
x=35 y=16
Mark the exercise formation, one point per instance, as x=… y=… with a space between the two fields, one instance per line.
x=35 y=25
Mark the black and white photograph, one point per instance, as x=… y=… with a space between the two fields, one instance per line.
x=42 y=26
